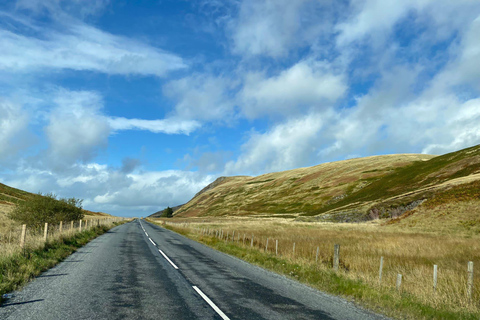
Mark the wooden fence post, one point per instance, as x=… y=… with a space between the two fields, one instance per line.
x=336 y=257
x=251 y=244
x=470 y=281
x=294 y=249
x=23 y=236
x=45 y=232
x=434 y=278
x=60 y=227
x=276 y=247
x=80 y=226
x=316 y=256
x=380 y=271
x=266 y=246
x=399 y=282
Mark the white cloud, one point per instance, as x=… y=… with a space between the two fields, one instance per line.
x=152 y=189
x=374 y=20
x=443 y=124
x=459 y=70
x=201 y=97
x=13 y=128
x=390 y=117
x=77 y=129
x=304 y=86
x=274 y=27
x=286 y=146
x=78 y=46
x=168 y=125
x=113 y=191
x=266 y=27
x=374 y=17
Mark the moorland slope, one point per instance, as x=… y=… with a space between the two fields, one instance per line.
x=345 y=191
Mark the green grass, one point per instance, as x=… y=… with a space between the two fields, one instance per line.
x=380 y=299
x=263 y=181
x=13 y=192
x=464 y=192
x=18 y=269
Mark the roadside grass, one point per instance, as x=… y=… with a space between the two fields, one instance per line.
x=411 y=254
x=17 y=267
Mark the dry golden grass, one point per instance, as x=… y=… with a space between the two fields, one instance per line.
x=411 y=254
x=454 y=218
x=10 y=233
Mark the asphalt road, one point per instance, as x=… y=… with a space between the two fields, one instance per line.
x=141 y=271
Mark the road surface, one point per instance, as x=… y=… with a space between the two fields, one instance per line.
x=141 y=271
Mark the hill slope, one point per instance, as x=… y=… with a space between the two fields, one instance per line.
x=293 y=192
x=350 y=190
x=10 y=197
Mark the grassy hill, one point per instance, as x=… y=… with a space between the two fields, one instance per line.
x=10 y=197
x=351 y=190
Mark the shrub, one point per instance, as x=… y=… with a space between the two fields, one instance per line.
x=168 y=212
x=47 y=208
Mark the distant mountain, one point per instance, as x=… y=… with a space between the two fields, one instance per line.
x=350 y=190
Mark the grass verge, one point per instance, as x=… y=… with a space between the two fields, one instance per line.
x=18 y=269
x=385 y=300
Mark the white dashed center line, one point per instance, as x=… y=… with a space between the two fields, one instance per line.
x=214 y=307
x=203 y=295
x=168 y=259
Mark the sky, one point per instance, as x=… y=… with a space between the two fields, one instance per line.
x=134 y=106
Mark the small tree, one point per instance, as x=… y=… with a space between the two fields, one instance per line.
x=47 y=208
x=168 y=212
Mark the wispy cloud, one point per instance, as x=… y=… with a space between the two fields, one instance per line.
x=168 y=125
x=78 y=46
x=13 y=129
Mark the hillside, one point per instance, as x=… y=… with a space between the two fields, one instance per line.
x=350 y=190
x=294 y=192
x=10 y=197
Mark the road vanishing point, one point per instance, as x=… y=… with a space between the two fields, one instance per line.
x=139 y=270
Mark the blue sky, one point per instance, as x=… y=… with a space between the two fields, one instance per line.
x=137 y=105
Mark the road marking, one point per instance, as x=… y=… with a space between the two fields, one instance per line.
x=214 y=307
x=168 y=259
x=146 y=233
x=152 y=242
